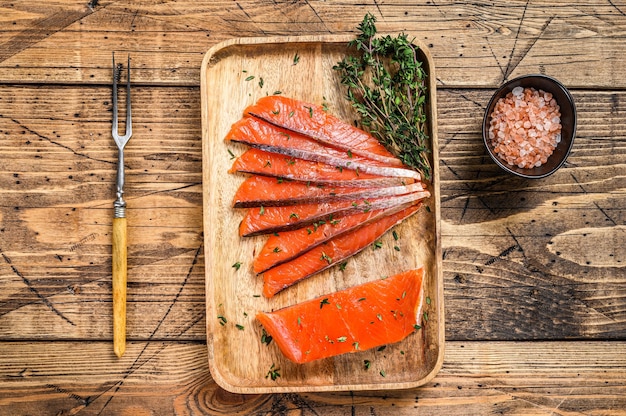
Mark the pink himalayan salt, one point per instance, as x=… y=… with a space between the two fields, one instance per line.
x=525 y=127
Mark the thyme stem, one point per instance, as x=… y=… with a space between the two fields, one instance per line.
x=386 y=86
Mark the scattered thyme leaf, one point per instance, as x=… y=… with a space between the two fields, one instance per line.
x=273 y=372
x=266 y=338
x=326 y=257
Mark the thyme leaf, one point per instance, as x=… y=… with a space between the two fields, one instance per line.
x=386 y=86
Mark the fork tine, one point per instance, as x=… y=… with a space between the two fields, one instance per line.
x=129 y=121
x=114 y=127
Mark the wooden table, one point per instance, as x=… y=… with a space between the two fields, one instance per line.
x=534 y=271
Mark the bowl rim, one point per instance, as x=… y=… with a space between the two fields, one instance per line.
x=487 y=116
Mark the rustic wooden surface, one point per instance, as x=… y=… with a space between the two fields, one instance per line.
x=534 y=272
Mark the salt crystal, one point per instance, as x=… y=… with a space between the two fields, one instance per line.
x=518 y=92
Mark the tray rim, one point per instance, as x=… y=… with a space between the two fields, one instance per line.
x=326 y=39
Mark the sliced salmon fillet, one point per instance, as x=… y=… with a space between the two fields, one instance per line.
x=267 y=220
x=257 y=191
x=266 y=136
x=355 y=319
x=330 y=253
x=313 y=121
x=283 y=247
x=260 y=162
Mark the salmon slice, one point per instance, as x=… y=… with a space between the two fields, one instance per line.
x=283 y=247
x=265 y=136
x=328 y=254
x=262 y=191
x=259 y=162
x=311 y=120
x=366 y=316
x=267 y=220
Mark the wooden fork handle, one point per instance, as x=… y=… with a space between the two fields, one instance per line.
x=119 y=285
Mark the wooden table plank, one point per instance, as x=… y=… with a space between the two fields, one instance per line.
x=473 y=44
x=517 y=253
x=542 y=378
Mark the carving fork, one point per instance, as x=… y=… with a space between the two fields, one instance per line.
x=119 y=241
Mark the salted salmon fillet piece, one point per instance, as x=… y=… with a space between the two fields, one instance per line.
x=257 y=191
x=311 y=120
x=367 y=316
x=260 y=162
x=286 y=246
x=267 y=220
x=266 y=136
x=332 y=252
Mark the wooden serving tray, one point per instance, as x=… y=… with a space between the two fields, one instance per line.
x=235 y=74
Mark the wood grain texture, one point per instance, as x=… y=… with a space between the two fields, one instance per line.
x=533 y=271
x=518 y=378
x=58 y=187
x=119 y=275
x=474 y=44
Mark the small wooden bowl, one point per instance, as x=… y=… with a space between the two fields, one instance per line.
x=568 y=124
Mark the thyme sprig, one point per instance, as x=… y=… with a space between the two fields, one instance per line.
x=386 y=86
